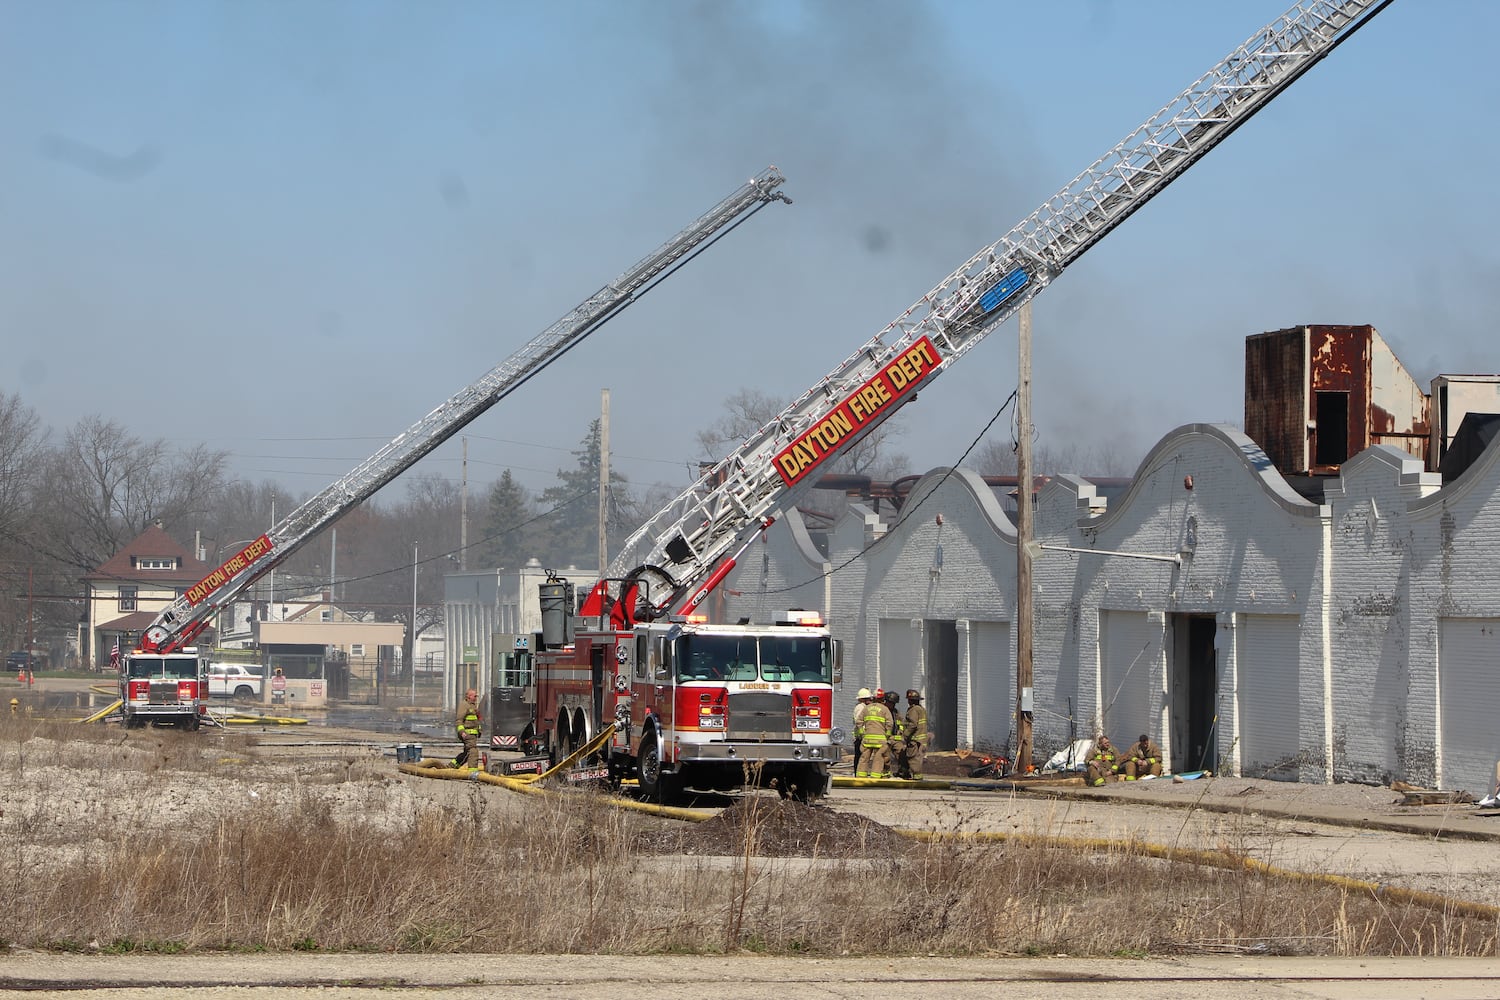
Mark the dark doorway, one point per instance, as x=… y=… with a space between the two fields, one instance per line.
x=1331 y=438
x=1195 y=693
x=941 y=658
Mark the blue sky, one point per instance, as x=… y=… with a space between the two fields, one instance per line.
x=289 y=230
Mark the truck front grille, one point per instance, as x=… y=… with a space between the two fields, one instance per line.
x=760 y=715
x=164 y=693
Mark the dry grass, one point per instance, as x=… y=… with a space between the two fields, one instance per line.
x=570 y=874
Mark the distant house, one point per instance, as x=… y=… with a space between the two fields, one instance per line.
x=126 y=593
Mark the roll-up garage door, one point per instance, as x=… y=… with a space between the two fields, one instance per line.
x=1267 y=669
x=1468 y=696
x=1129 y=674
x=992 y=687
x=898 y=654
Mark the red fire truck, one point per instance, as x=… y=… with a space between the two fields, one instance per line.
x=693 y=704
x=163 y=688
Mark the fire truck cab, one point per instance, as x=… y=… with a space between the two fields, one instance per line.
x=700 y=706
x=163 y=688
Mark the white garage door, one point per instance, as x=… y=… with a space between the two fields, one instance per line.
x=1267 y=669
x=898 y=655
x=1468 y=697
x=1130 y=694
x=992 y=687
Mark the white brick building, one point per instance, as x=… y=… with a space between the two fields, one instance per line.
x=1243 y=626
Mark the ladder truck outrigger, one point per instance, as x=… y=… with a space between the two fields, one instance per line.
x=673 y=701
x=164 y=677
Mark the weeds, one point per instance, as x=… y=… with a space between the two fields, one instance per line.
x=327 y=867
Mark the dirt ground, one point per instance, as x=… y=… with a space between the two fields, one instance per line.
x=62 y=800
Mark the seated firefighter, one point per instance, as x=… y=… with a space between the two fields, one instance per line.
x=1103 y=761
x=1143 y=758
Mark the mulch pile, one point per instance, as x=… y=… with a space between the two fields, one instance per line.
x=780 y=828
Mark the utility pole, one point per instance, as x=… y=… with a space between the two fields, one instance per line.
x=412 y=631
x=463 y=513
x=1023 y=548
x=603 y=480
x=271 y=577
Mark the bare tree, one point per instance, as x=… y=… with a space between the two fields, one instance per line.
x=998 y=458
x=22 y=440
x=102 y=486
x=748 y=410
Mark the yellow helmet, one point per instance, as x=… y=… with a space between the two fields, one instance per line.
x=864 y=693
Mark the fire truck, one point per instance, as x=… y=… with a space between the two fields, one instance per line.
x=686 y=703
x=761 y=711
x=163 y=688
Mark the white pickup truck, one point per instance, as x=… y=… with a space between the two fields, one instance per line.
x=231 y=680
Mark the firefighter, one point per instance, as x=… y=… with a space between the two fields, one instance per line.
x=1103 y=762
x=893 y=745
x=878 y=725
x=466 y=725
x=1143 y=758
x=914 y=737
x=860 y=706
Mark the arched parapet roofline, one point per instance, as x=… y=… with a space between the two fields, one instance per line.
x=1479 y=475
x=1076 y=491
x=802 y=543
x=1384 y=462
x=971 y=482
x=1256 y=463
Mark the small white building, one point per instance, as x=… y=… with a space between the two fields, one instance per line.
x=477 y=605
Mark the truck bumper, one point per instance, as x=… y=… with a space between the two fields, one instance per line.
x=763 y=753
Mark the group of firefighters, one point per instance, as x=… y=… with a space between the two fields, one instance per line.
x=1105 y=763
x=887 y=745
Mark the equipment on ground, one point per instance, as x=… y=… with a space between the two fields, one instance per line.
x=189 y=614
x=742 y=719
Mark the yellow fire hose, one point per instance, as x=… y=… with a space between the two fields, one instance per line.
x=528 y=784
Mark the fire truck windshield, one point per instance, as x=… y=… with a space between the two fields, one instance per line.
x=176 y=667
x=784 y=658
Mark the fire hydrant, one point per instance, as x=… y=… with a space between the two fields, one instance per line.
x=15 y=705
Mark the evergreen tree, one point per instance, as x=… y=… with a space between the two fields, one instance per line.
x=572 y=529
x=506 y=536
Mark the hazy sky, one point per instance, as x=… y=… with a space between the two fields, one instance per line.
x=289 y=230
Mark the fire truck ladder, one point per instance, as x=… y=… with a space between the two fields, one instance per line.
x=176 y=625
x=678 y=547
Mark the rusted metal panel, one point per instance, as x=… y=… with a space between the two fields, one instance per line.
x=1339 y=363
x=1276 y=396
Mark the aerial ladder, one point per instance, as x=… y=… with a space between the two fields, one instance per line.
x=178 y=624
x=675 y=559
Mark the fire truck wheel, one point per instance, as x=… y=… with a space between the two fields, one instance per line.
x=648 y=767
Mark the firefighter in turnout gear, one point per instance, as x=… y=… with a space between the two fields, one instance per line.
x=1104 y=762
x=860 y=707
x=466 y=725
x=892 y=702
x=878 y=725
x=1143 y=758
x=914 y=737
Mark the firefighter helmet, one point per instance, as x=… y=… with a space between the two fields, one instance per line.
x=863 y=694
x=880 y=694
